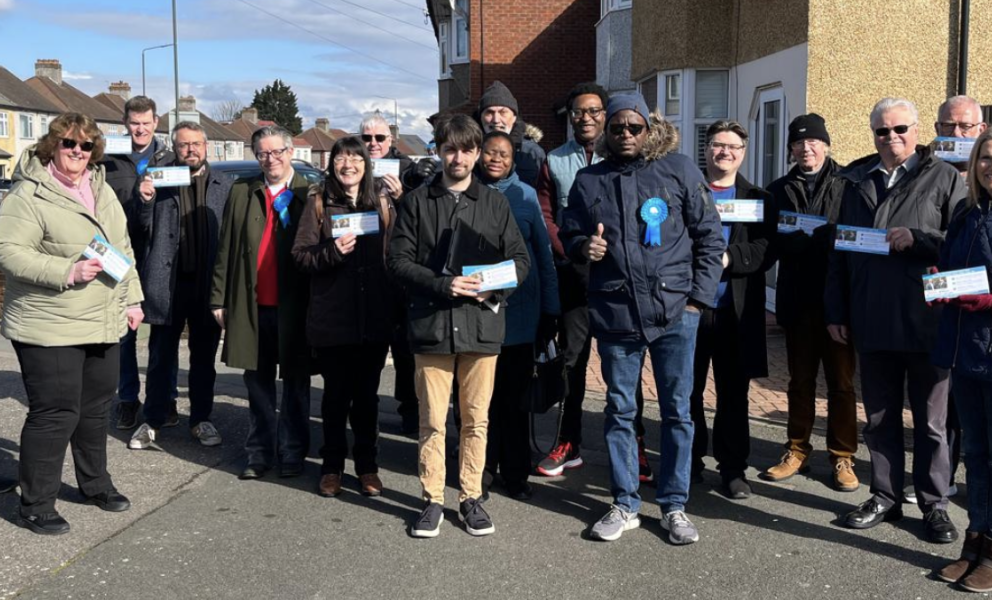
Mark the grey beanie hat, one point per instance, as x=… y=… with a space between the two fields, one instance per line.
x=498 y=94
x=634 y=102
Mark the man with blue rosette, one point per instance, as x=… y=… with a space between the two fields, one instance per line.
x=644 y=220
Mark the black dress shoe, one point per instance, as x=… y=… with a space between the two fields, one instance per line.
x=253 y=472
x=519 y=491
x=290 y=469
x=940 y=530
x=46 y=524
x=871 y=513
x=736 y=488
x=7 y=485
x=110 y=501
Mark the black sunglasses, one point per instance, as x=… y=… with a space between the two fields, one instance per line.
x=69 y=144
x=619 y=128
x=379 y=137
x=900 y=129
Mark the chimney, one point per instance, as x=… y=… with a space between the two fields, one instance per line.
x=50 y=68
x=250 y=114
x=122 y=89
x=394 y=130
x=323 y=124
x=187 y=104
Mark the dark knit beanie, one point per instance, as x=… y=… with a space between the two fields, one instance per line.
x=498 y=94
x=808 y=127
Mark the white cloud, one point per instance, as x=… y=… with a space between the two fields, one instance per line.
x=69 y=76
x=6 y=5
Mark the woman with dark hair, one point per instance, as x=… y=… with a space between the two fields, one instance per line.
x=349 y=323
x=64 y=315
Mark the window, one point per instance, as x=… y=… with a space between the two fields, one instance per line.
x=27 y=127
x=606 y=6
x=711 y=104
x=649 y=89
x=673 y=94
x=460 y=25
x=768 y=134
x=4 y=126
x=44 y=124
x=442 y=43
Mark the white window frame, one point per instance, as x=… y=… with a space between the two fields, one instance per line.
x=4 y=125
x=694 y=123
x=44 y=124
x=459 y=20
x=608 y=6
x=29 y=119
x=444 y=49
x=762 y=96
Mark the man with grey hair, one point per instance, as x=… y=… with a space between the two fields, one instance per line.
x=960 y=116
x=875 y=302
x=377 y=136
x=260 y=299
x=182 y=225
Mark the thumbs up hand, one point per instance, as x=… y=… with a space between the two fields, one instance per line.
x=596 y=247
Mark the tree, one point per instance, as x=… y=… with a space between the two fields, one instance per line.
x=228 y=110
x=277 y=103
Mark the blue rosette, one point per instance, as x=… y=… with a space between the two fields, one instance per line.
x=654 y=212
x=281 y=205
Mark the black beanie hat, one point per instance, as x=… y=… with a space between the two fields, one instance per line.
x=806 y=127
x=498 y=94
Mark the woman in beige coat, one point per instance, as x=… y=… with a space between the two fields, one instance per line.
x=66 y=313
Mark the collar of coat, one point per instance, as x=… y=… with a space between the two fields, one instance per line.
x=663 y=138
x=437 y=189
x=860 y=170
x=298 y=185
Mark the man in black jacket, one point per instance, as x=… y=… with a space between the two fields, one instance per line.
x=812 y=187
x=455 y=329
x=875 y=301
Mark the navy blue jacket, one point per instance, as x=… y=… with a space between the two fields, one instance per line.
x=964 y=339
x=636 y=291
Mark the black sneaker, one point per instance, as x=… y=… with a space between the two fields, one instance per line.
x=46 y=524
x=476 y=519
x=428 y=524
x=127 y=414
x=173 y=419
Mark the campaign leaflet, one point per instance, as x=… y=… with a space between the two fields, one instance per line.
x=385 y=166
x=790 y=222
x=169 y=176
x=740 y=211
x=952 y=149
x=363 y=223
x=117 y=144
x=951 y=284
x=113 y=261
x=501 y=276
x=861 y=239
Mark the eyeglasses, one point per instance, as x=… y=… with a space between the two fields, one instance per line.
x=379 y=137
x=190 y=145
x=69 y=144
x=899 y=129
x=351 y=159
x=729 y=147
x=618 y=129
x=950 y=126
x=264 y=156
x=594 y=112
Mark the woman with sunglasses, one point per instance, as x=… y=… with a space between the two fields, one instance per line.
x=65 y=313
x=350 y=320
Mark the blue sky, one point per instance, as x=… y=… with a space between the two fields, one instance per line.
x=230 y=48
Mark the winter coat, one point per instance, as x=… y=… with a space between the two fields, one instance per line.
x=43 y=232
x=881 y=297
x=528 y=156
x=428 y=219
x=161 y=226
x=236 y=275
x=538 y=294
x=964 y=340
x=351 y=296
x=802 y=259
x=637 y=290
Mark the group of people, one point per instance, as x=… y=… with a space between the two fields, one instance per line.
x=613 y=235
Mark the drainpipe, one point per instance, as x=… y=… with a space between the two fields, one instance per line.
x=963 y=48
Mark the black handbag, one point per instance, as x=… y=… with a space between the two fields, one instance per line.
x=548 y=383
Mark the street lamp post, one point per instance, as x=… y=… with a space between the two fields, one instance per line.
x=396 y=110
x=143 y=64
x=175 y=55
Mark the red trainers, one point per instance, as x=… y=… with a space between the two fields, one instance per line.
x=564 y=456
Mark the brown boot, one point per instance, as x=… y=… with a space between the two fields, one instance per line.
x=330 y=485
x=792 y=462
x=844 y=478
x=980 y=578
x=371 y=484
x=968 y=561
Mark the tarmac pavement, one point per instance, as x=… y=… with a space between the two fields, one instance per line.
x=196 y=531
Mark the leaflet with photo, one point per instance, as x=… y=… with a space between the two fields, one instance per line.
x=113 y=261
x=169 y=176
x=385 y=166
x=790 y=222
x=363 y=223
x=951 y=284
x=501 y=276
x=861 y=239
x=117 y=144
x=741 y=211
x=952 y=149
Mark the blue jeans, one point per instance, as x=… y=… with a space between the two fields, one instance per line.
x=974 y=403
x=672 y=359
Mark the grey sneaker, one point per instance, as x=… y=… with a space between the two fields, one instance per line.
x=428 y=524
x=127 y=414
x=143 y=438
x=680 y=529
x=612 y=526
x=206 y=433
x=477 y=521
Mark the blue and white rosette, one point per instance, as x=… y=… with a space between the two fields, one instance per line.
x=654 y=212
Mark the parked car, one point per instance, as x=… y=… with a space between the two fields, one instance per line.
x=239 y=169
x=5 y=185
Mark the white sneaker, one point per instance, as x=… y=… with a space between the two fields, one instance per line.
x=143 y=438
x=680 y=529
x=614 y=523
x=206 y=433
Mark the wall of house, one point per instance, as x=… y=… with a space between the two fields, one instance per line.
x=22 y=143
x=613 y=51
x=8 y=144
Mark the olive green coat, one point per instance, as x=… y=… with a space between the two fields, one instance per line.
x=43 y=232
x=236 y=275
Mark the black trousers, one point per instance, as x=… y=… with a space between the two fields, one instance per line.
x=188 y=308
x=69 y=389
x=351 y=393
x=404 y=390
x=508 y=447
x=716 y=340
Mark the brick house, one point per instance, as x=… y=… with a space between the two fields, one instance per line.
x=48 y=82
x=24 y=118
x=244 y=126
x=321 y=138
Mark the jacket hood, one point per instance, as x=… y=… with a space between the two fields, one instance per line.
x=533 y=132
x=663 y=138
x=859 y=169
x=522 y=132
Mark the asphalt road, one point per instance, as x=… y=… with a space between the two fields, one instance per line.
x=196 y=531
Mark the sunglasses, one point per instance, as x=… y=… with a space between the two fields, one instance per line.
x=899 y=129
x=619 y=128
x=69 y=144
x=379 y=137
